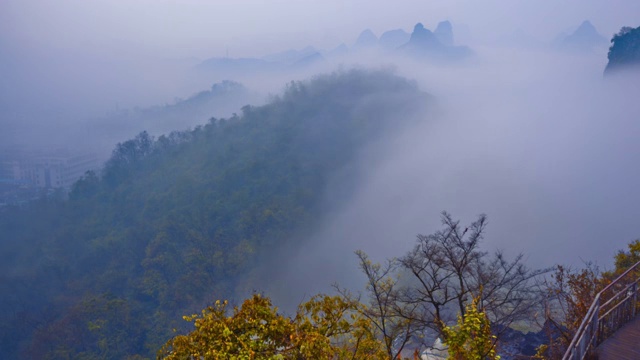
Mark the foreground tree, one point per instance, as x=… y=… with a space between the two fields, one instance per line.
x=394 y=322
x=254 y=330
x=570 y=293
x=626 y=259
x=443 y=277
x=325 y=327
x=471 y=338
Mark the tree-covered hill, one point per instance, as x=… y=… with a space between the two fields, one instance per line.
x=173 y=222
x=222 y=99
x=625 y=50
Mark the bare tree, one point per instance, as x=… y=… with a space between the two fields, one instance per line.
x=449 y=271
x=435 y=281
x=394 y=321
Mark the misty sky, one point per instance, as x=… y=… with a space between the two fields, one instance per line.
x=65 y=59
x=203 y=29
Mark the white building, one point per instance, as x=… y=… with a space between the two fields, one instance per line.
x=55 y=170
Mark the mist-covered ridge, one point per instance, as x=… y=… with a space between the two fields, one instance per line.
x=172 y=222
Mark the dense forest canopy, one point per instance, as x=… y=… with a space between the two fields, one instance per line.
x=174 y=221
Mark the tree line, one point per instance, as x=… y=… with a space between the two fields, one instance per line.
x=444 y=289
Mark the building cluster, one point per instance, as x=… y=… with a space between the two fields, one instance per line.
x=23 y=173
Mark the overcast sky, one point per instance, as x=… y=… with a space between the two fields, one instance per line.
x=129 y=52
x=75 y=59
x=203 y=29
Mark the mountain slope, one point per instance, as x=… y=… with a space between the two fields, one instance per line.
x=175 y=221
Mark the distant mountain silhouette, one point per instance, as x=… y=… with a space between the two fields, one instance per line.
x=425 y=44
x=584 y=38
x=624 y=51
x=339 y=50
x=421 y=43
x=291 y=56
x=281 y=61
x=311 y=59
x=424 y=39
x=393 y=39
x=367 y=39
x=444 y=33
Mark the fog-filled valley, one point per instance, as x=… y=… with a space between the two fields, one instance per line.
x=539 y=141
x=145 y=175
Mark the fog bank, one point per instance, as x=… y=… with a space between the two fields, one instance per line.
x=537 y=140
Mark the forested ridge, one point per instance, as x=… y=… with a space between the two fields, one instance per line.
x=172 y=222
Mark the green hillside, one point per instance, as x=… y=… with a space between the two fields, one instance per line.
x=174 y=221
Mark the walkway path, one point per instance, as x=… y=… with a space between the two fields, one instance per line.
x=623 y=344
